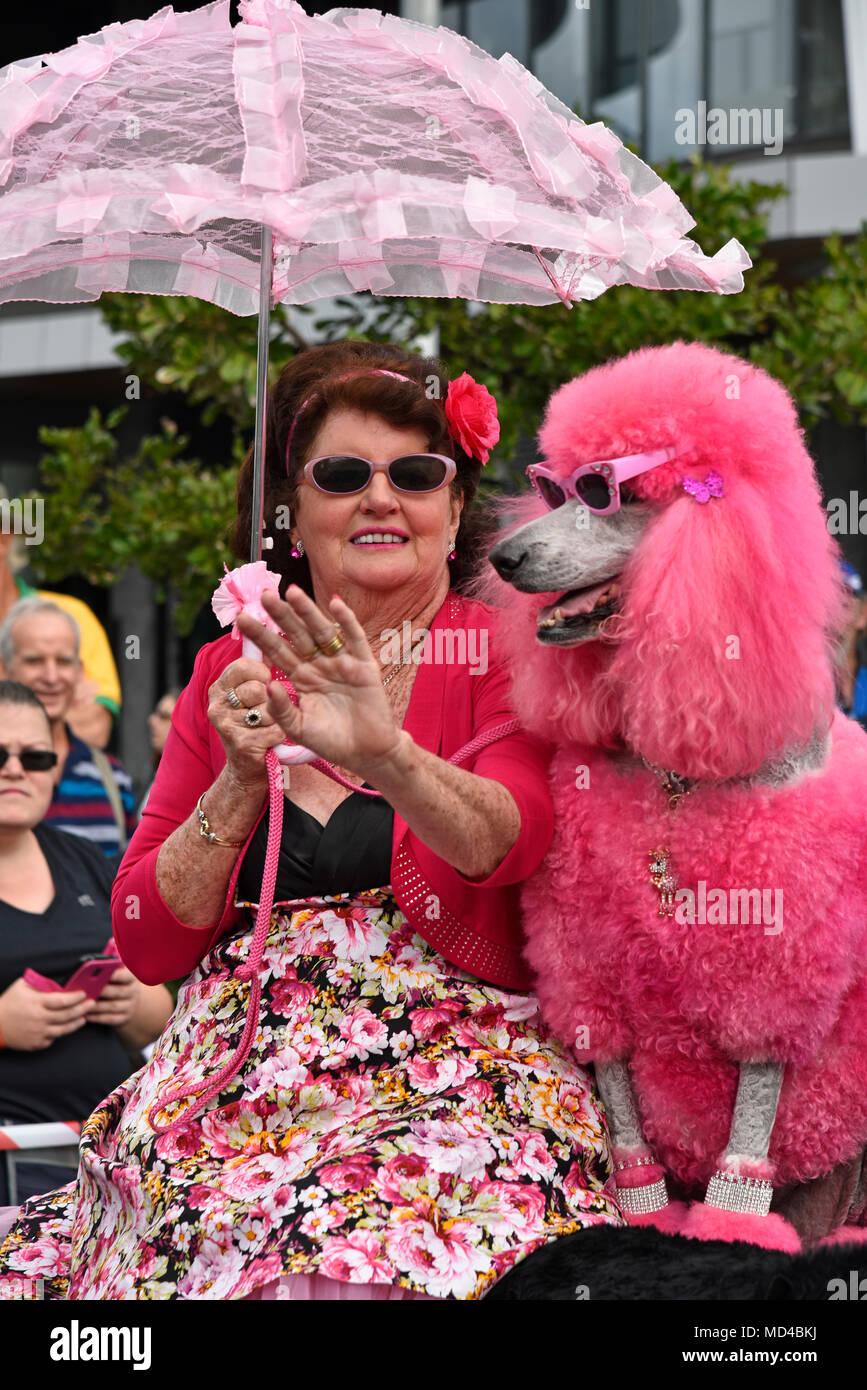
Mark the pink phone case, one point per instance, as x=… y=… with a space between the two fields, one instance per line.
x=92 y=977
x=41 y=982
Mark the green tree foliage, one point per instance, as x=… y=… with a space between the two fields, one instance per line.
x=159 y=510
x=817 y=343
x=168 y=513
x=192 y=347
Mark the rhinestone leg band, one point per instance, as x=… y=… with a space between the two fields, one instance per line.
x=637 y=1201
x=730 y=1192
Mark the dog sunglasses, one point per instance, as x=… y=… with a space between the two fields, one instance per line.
x=343 y=474
x=31 y=759
x=597 y=484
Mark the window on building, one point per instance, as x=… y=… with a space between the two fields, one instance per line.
x=636 y=64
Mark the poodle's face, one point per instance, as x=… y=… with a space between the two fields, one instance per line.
x=657 y=627
x=573 y=550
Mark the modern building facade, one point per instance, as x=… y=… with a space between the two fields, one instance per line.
x=638 y=65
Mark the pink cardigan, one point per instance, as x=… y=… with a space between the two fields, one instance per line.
x=475 y=925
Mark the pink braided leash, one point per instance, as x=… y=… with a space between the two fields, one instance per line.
x=249 y=969
x=474 y=746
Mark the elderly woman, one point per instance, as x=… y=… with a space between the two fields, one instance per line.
x=365 y=1103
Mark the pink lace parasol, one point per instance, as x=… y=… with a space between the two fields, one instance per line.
x=384 y=155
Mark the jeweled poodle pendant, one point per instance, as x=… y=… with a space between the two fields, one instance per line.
x=664 y=880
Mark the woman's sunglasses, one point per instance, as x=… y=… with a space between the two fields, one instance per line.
x=343 y=474
x=31 y=759
x=597 y=484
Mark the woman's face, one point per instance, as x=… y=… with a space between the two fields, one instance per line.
x=24 y=796
x=159 y=723
x=420 y=527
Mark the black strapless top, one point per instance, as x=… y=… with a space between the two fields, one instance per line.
x=350 y=852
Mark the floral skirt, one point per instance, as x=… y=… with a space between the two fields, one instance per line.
x=395 y=1122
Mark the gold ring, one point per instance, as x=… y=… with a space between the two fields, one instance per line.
x=332 y=647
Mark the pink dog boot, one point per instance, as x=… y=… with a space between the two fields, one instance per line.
x=771 y=1232
x=737 y=1207
x=844 y=1235
x=642 y=1195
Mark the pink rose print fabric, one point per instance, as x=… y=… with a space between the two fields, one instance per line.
x=397 y=1122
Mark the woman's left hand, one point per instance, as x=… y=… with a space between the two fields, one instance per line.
x=343 y=712
x=118 y=1001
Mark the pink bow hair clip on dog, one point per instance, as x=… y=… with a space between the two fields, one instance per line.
x=704 y=490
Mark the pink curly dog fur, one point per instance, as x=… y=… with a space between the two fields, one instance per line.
x=686 y=1003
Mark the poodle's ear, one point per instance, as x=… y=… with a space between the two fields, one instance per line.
x=723 y=653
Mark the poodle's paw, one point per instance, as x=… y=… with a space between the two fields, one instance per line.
x=668 y=1220
x=845 y=1235
x=641 y=1193
x=771 y=1232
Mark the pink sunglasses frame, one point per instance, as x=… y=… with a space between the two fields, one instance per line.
x=614 y=471
x=451 y=470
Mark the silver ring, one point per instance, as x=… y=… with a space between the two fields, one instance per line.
x=232 y=698
x=253 y=717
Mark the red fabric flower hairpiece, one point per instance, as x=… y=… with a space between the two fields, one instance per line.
x=471 y=412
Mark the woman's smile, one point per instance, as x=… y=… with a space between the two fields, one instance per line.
x=379 y=539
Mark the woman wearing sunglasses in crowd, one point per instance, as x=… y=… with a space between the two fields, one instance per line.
x=60 y=1052
x=365 y=1104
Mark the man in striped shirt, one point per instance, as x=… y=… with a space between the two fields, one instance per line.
x=93 y=795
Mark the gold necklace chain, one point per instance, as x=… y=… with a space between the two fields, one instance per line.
x=398 y=665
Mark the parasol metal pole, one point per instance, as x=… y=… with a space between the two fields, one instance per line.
x=266 y=275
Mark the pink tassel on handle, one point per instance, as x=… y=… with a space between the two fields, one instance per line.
x=240 y=591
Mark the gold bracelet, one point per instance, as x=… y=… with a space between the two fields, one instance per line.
x=207 y=833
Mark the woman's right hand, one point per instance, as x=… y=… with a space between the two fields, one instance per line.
x=31 y=1020
x=245 y=747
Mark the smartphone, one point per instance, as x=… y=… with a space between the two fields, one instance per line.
x=92 y=977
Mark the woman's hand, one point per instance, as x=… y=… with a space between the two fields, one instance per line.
x=118 y=1001
x=343 y=713
x=31 y=1020
x=245 y=747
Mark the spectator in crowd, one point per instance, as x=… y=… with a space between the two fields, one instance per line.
x=93 y=796
x=159 y=723
x=60 y=1053
x=96 y=698
x=853 y=655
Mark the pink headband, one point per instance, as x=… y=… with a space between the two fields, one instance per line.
x=470 y=411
